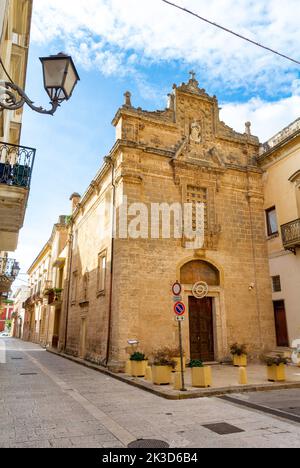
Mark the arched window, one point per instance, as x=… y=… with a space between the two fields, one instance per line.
x=198 y=270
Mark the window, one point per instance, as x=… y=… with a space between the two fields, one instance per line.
x=197 y=195
x=272 y=225
x=276 y=280
x=85 y=286
x=74 y=287
x=101 y=272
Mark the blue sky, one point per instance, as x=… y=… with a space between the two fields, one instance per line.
x=145 y=46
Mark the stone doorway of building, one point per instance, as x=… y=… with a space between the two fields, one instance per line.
x=56 y=327
x=201 y=329
x=281 y=324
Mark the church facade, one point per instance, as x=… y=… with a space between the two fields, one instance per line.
x=119 y=286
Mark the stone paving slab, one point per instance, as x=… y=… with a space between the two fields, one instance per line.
x=106 y=412
x=225 y=380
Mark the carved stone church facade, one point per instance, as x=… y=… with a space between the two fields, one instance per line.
x=120 y=289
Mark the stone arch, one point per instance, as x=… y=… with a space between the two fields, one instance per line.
x=200 y=270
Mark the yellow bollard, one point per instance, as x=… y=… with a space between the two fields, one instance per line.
x=128 y=368
x=148 y=373
x=177 y=381
x=243 y=378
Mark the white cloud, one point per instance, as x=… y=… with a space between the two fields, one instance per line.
x=267 y=118
x=108 y=34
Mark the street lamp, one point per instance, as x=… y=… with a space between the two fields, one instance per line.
x=16 y=270
x=60 y=79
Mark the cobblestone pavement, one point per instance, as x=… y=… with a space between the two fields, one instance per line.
x=47 y=401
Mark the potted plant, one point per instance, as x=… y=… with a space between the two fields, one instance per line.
x=201 y=375
x=239 y=353
x=57 y=294
x=276 y=368
x=138 y=364
x=162 y=367
x=175 y=356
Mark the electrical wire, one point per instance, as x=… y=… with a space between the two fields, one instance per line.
x=5 y=71
x=231 y=32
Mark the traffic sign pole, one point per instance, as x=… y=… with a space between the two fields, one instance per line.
x=179 y=309
x=183 y=389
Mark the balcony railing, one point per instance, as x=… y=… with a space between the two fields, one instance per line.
x=9 y=268
x=291 y=235
x=16 y=164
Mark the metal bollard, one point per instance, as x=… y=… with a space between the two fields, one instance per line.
x=243 y=378
x=148 y=373
x=177 y=381
x=128 y=368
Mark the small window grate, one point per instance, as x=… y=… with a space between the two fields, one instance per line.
x=28 y=373
x=223 y=428
x=276 y=281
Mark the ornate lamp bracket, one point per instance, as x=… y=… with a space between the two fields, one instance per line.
x=12 y=97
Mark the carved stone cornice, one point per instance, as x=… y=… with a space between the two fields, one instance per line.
x=134 y=178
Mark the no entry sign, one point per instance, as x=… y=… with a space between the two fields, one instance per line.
x=179 y=309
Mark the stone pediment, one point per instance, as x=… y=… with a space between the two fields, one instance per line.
x=201 y=155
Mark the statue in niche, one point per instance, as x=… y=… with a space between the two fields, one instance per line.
x=196 y=132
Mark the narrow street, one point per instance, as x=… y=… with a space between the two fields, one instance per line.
x=47 y=401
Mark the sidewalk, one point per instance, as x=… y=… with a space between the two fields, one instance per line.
x=225 y=380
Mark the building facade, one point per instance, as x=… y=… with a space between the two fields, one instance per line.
x=280 y=160
x=19 y=298
x=6 y=315
x=16 y=162
x=120 y=272
x=46 y=279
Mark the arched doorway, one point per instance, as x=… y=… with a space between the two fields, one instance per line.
x=202 y=317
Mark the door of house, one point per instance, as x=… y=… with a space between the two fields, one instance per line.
x=281 y=324
x=55 y=338
x=201 y=329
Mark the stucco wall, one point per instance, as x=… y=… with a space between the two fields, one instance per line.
x=284 y=194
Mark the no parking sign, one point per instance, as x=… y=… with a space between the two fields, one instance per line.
x=179 y=309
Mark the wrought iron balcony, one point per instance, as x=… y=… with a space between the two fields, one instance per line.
x=291 y=235
x=9 y=268
x=55 y=296
x=16 y=164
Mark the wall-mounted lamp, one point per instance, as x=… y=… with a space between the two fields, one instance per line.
x=133 y=342
x=60 y=79
x=251 y=286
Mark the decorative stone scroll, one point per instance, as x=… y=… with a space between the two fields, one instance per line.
x=200 y=290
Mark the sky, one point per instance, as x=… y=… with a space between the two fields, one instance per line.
x=145 y=46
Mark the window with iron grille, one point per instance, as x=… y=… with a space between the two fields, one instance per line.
x=198 y=195
x=276 y=281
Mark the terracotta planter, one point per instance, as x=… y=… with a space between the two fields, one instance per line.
x=201 y=377
x=138 y=368
x=276 y=373
x=240 y=361
x=161 y=375
x=178 y=364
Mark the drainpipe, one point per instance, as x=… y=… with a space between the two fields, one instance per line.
x=254 y=264
x=111 y=263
